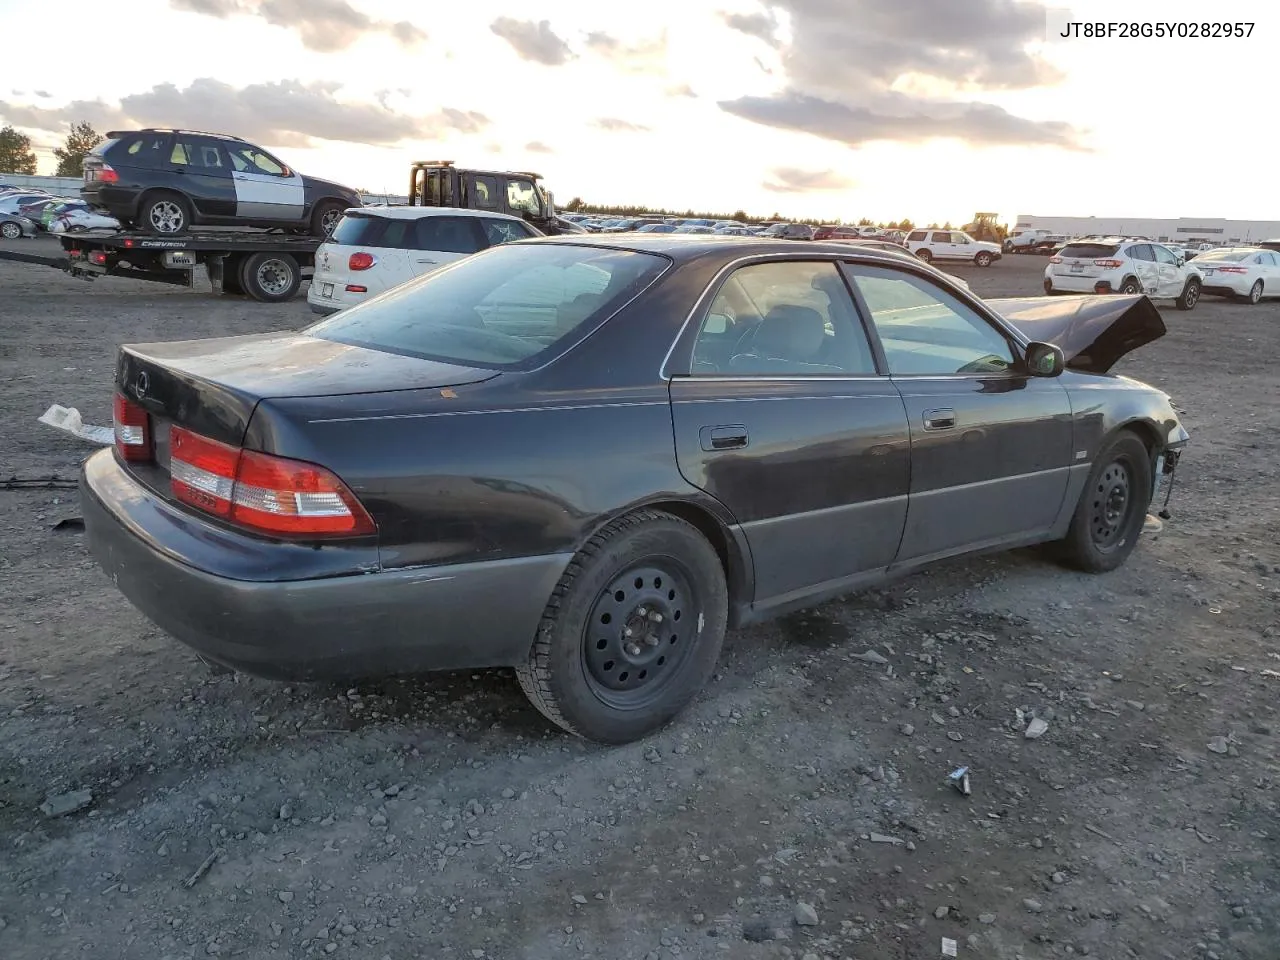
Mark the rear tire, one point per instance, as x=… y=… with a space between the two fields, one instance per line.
x=1048 y=288
x=1130 y=287
x=1112 y=508
x=10 y=230
x=326 y=217
x=925 y=254
x=631 y=633
x=1255 y=293
x=270 y=277
x=983 y=259
x=1190 y=295
x=164 y=213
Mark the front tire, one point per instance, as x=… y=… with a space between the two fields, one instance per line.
x=925 y=255
x=983 y=259
x=10 y=230
x=1190 y=295
x=632 y=632
x=326 y=217
x=164 y=214
x=1112 y=508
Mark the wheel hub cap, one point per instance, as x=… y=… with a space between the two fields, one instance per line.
x=273 y=277
x=166 y=217
x=636 y=634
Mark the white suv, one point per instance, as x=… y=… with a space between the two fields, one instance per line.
x=373 y=249
x=1123 y=266
x=930 y=245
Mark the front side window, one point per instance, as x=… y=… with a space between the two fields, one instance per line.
x=506 y=308
x=504 y=231
x=789 y=318
x=927 y=332
x=247 y=159
x=1164 y=255
x=521 y=197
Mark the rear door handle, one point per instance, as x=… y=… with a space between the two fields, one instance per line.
x=426 y=261
x=728 y=437
x=944 y=418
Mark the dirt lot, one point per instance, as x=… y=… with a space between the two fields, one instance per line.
x=441 y=817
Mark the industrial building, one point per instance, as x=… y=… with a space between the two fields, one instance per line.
x=1180 y=230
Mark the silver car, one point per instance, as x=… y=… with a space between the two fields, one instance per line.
x=13 y=226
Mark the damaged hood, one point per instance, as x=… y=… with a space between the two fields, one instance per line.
x=1092 y=331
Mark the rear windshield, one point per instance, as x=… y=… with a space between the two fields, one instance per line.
x=503 y=308
x=1090 y=250
x=1233 y=255
x=370 y=230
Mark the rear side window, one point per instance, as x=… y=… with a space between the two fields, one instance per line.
x=1090 y=251
x=1141 y=251
x=941 y=236
x=917 y=235
x=505 y=308
x=447 y=234
x=138 y=150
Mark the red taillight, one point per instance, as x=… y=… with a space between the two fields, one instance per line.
x=1055 y=259
x=356 y=288
x=1108 y=264
x=1233 y=269
x=107 y=175
x=361 y=261
x=263 y=492
x=132 y=429
x=98 y=256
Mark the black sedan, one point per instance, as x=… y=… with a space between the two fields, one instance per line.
x=586 y=458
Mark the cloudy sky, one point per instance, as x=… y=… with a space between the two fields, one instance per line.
x=931 y=109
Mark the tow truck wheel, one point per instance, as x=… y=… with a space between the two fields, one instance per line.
x=164 y=213
x=270 y=277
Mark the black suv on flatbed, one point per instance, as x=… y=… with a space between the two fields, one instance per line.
x=166 y=181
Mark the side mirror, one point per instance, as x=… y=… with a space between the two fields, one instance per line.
x=1180 y=260
x=1044 y=360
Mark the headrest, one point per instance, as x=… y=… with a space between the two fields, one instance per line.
x=792 y=332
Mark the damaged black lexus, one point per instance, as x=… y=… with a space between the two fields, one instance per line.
x=586 y=458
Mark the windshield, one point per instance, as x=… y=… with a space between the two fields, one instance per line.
x=502 y=308
x=1232 y=255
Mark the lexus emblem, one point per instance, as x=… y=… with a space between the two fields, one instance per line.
x=141 y=385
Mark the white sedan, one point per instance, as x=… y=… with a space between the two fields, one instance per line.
x=1247 y=273
x=77 y=221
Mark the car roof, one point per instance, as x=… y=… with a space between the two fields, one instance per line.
x=415 y=213
x=682 y=247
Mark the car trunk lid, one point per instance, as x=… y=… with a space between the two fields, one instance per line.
x=212 y=387
x=1093 y=332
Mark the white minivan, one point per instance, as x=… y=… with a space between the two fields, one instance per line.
x=373 y=249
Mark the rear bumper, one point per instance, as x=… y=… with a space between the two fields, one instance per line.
x=1216 y=287
x=1069 y=284
x=358 y=624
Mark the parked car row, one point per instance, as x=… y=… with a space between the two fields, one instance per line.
x=25 y=212
x=730 y=228
x=1137 y=266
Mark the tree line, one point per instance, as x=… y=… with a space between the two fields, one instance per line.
x=16 y=155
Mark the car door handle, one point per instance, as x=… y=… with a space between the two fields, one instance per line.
x=728 y=437
x=944 y=418
x=427 y=261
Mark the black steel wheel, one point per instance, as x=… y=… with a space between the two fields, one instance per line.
x=632 y=632
x=1112 y=508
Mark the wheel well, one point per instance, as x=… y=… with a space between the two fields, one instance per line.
x=705 y=523
x=1144 y=431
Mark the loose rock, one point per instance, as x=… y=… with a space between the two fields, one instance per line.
x=987 y=918
x=1219 y=745
x=870 y=656
x=941 y=913
x=64 y=804
x=1033 y=906
x=805 y=915
x=1035 y=729
x=285 y=896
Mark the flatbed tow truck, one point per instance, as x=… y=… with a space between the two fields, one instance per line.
x=270 y=265
x=265 y=265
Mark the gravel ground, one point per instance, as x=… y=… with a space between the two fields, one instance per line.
x=800 y=809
